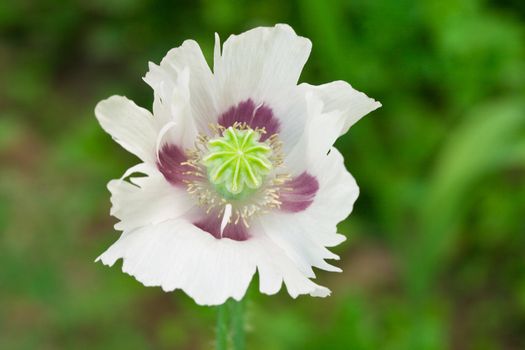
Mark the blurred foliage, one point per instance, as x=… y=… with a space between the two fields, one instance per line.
x=434 y=258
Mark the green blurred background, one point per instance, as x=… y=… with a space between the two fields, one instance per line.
x=435 y=251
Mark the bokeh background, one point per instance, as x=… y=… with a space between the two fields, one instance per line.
x=436 y=246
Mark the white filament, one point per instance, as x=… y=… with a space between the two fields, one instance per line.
x=226 y=217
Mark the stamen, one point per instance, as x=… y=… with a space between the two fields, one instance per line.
x=233 y=186
x=226 y=217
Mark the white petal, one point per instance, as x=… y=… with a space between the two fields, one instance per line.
x=341 y=97
x=174 y=91
x=264 y=65
x=334 y=201
x=177 y=255
x=130 y=125
x=147 y=200
x=299 y=246
x=305 y=235
x=274 y=266
x=318 y=135
x=330 y=110
x=260 y=62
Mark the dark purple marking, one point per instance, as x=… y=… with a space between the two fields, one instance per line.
x=297 y=194
x=212 y=224
x=170 y=164
x=255 y=117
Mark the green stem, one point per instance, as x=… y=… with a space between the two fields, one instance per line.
x=231 y=314
x=237 y=324
x=222 y=327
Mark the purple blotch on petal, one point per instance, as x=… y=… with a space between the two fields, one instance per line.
x=254 y=116
x=297 y=194
x=170 y=164
x=212 y=224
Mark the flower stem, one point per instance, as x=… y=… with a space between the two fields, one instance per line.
x=231 y=314
x=222 y=327
x=237 y=324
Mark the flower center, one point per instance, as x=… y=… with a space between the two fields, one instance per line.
x=237 y=162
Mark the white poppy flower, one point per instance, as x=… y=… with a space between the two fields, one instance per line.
x=240 y=173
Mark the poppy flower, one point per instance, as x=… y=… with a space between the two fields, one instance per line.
x=238 y=170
